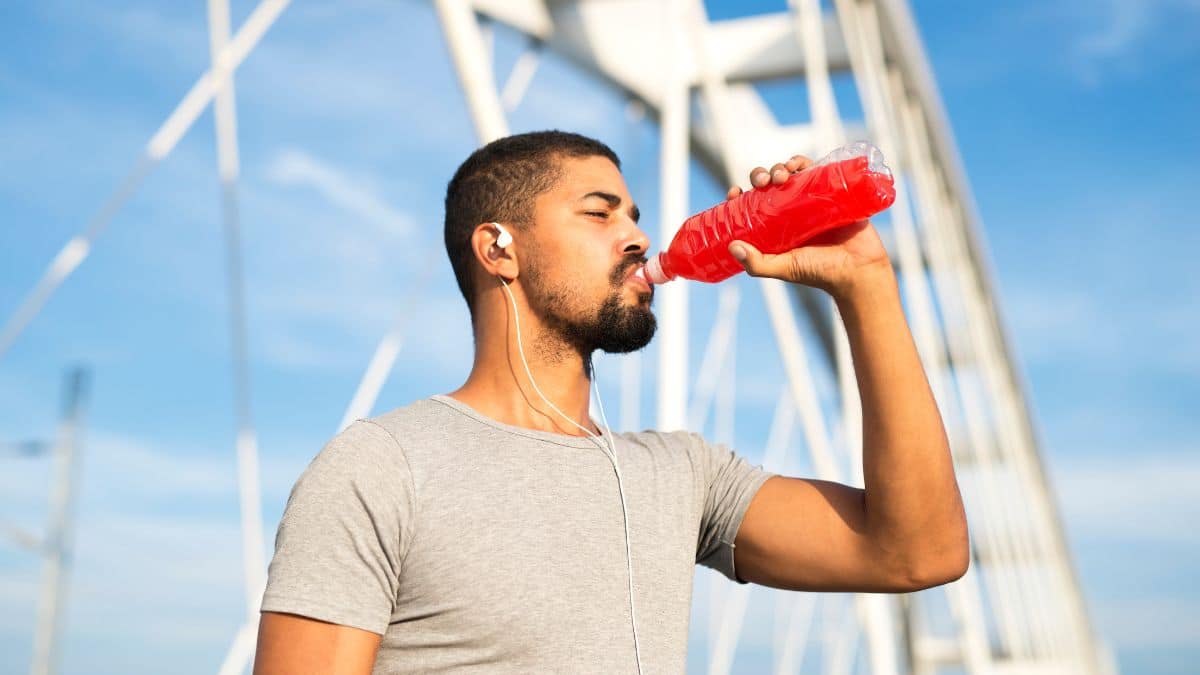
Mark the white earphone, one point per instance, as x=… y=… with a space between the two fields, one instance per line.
x=505 y=239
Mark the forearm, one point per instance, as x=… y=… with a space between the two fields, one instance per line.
x=914 y=512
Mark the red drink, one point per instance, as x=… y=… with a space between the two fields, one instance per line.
x=849 y=184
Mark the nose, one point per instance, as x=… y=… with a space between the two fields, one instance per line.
x=636 y=242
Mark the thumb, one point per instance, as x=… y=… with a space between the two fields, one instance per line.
x=756 y=263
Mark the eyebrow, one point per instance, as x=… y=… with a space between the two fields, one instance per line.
x=613 y=202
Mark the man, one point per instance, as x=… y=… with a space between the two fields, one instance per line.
x=500 y=529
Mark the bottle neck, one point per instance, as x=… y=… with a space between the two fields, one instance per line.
x=658 y=269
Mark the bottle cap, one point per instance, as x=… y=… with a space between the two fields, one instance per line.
x=653 y=271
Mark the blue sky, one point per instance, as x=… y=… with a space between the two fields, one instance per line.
x=1075 y=120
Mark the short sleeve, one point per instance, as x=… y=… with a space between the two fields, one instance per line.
x=730 y=485
x=344 y=532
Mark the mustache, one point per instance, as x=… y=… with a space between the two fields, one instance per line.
x=623 y=267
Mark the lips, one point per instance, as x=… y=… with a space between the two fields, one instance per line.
x=636 y=273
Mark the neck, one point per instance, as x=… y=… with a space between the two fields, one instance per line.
x=499 y=385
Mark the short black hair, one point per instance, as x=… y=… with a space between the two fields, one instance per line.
x=499 y=183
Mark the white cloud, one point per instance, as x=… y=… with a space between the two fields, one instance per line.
x=1125 y=23
x=1074 y=325
x=157 y=535
x=1125 y=29
x=294 y=167
x=1150 y=622
x=1139 y=498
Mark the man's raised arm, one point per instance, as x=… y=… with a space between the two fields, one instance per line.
x=289 y=644
x=907 y=529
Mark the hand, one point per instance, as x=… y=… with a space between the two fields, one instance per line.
x=833 y=261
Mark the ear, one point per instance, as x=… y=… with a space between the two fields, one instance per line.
x=494 y=260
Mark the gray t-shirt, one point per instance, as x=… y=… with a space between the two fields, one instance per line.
x=472 y=545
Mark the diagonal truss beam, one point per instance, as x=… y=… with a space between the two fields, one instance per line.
x=76 y=250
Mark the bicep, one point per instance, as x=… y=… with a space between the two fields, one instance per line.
x=811 y=535
x=292 y=644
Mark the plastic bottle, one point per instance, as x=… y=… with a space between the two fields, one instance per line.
x=848 y=184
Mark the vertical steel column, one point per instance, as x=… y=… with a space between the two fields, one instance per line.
x=225 y=121
x=728 y=624
x=631 y=391
x=963 y=596
x=714 y=362
x=673 y=179
x=1035 y=620
x=874 y=609
x=76 y=250
x=978 y=320
x=57 y=547
x=979 y=460
x=474 y=67
x=973 y=274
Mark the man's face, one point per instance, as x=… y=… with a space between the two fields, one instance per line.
x=583 y=247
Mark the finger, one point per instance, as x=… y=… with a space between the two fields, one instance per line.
x=779 y=173
x=759 y=177
x=798 y=163
x=733 y=192
x=758 y=264
x=838 y=235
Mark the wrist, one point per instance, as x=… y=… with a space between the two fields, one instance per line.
x=866 y=283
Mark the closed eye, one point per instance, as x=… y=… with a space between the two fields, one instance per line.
x=598 y=214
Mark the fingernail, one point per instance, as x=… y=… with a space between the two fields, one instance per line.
x=738 y=251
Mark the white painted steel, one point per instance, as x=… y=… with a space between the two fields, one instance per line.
x=225 y=120
x=673 y=181
x=978 y=274
x=967 y=355
x=725 y=416
x=372 y=380
x=160 y=145
x=981 y=454
x=631 y=391
x=241 y=651
x=745 y=50
x=224 y=63
x=57 y=550
x=59 y=269
x=717 y=349
x=865 y=48
x=519 y=79
x=970 y=274
x=875 y=611
x=22 y=537
x=1024 y=593
x=225 y=104
x=797 y=627
x=473 y=64
x=840 y=658
x=228 y=169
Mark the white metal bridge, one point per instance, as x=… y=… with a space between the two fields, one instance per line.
x=1019 y=609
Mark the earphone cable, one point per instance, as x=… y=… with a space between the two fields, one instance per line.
x=610 y=451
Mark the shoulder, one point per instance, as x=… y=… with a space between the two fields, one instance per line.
x=361 y=454
x=705 y=456
x=675 y=441
x=413 y=420
x=376 y=443
x=684 y=444
x=425 y=435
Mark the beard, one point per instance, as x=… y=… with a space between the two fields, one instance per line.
x=619 y=329
x=613 y=327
